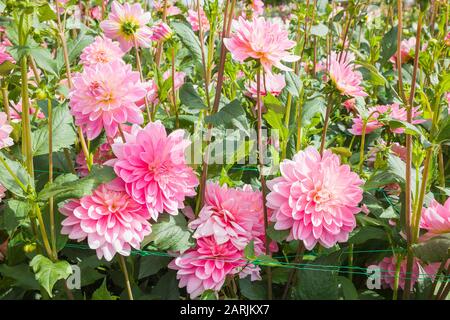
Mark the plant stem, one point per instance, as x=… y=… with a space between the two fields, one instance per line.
x=5 y=100
x=26 y=127
x=174 y=93
x=13 y=175
x=50 y=177
x=361 y=150
x=43 y=231
x=298 y=259
x=123 y=266
x=398 y=265
x=325 y=124
x=286 y=124
x=139 y=66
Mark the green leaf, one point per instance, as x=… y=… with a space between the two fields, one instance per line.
x=46 y=13
x=389 y=213
x=319 y=30
x=150 y=265
x=230 y=116
x=277 y=235
x=48 y=272
x=167 y=287
x=444 y=132
x=209 y=295
x=76 y=46
x=388 y=45
x=367 y=233
x=14 y=213
x=320 y=284
x=409 y=128
x=8 y=181
x=171 y=233
x=375 y=76
x=293 y=84
x=44 y=60
x=348 y=288
x=102 y=293
x=6 y=67
x=280 y=275
x=21 y=274
x=249 y=250
x=266 y=260
x=190 y=98
x=189 y=39
x=311 y=107
x=69 y=186
x=275 y=120
x=436 y=249
x=63 y=133
x=253 y=290
x=273 y=103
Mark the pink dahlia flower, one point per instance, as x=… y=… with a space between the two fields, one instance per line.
x=230 y=214
x=128 y=24
x=316 y=198
x=101 y=155
x=105 y=96
x=192 y=18
x=179 y=78
x=5 y=131
x=344 y=75
x=257 y=7
x=102 y=50
x=161 y=32
x=388 y=268
x=407 y=46
x=349 y=104
x=152 y=94
x=435 y=219
x=15 y=112
x=274 y=84
x=110 y=220
x=261 y=40
x=206 y=266
x=4 y=55
x=95 y=13
x=153 y=166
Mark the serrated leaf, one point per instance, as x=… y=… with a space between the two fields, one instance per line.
x=150 y=265
x=389 y=44
x=367 y=233
x=293 y=84
x=436 y=249
x=171 y=233
x=231 y=115
x=15 y=211
x=102 y=293
x=190 y=98
x=189 y=39
x=48 y=272
x=44 y=60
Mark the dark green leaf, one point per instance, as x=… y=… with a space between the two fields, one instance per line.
x=190 y=98
x=436 y=249
x=48 y=272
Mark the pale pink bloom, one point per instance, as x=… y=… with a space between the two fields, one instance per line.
x=4 y=55
x=419 y=271
x=2 y=191
x=110 y=219
x=231 y=214
x=349 y=104
x=15 y=112
x=257 y=7
x=192 y=18
x=95 y=13
x=161 y=32
x=152 y=94
x=435 y=219
x=102 y=50
x=343 y=74
x=206 y=266
x=407 y=46
x=153 y=166
x=179 y=78
x=315 y=198
x=127 y=23
x=447 y=40
x=173 y=11
x=105 y=96
x=393 y=111
x=5 y=131
x=261 y=40
x=274 y=84
x=101 y=155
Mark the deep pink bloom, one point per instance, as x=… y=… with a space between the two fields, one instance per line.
x=179 y=78
x=15 y=112
x=101 y=155
x=316 y=198
x=206 y=266
x=192 y=18
x=407 y=46
x=161 y=32
x=102 y=50
x=153 y=166
x=127 y=23
x=435 y=219
x=110 y=219
x=5 y=131
x=419 y=271
x=105 y=96
x=4 y=55
x=261 y=40
x=257 y=7
x=343 y=74
x=95 y=13
x=274 y=84
x=349 y=104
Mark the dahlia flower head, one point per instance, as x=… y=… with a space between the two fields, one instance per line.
x=261 y=40
x=110 y=219
x=95 y=13
x=407 y=47
x=15 y=112
x=5 y=131
x=105 y=96
x=152 y=94
x=435 y=219
x=315 y=198
x=102 y=50
x=179 y=78
x=161 y=32
x=393 y=111
x=419 y=271
x=127 y=24
x=153 y=166
x=193 y=20
x=101 y=155
x=274 y=84
x=206 y=266
x=344 y=75
x=231 y=214
x=350 y=104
